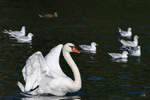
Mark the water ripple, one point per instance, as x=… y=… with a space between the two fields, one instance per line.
x=95 y=78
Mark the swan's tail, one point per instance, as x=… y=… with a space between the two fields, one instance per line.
x=21 y=86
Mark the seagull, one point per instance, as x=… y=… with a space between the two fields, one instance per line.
x=120 y=60
x=90 y=48
x=124 y=54
x=127 y=33
x=25 y=39
x=135 y=51
x=16 y=33
x=133 y=43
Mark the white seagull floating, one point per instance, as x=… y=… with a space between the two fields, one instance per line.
x=16 y=33
x=25 y=39
x=124 y=54
x=135 y=51
x=43 y=75
x=127 y=33
x=91 y=47
x=133 y=43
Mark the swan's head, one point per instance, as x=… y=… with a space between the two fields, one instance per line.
x=69 y=47
x=93 y=44
x=129 y=29
x=125 y=53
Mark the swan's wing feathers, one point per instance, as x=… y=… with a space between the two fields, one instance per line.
x=32 y=71
x=52 y=60
x=31 y=61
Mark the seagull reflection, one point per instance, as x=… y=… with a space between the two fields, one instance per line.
x=121 y=60
x=51 y=98
x=88 y=52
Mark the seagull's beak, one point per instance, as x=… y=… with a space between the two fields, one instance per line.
x=75 y=50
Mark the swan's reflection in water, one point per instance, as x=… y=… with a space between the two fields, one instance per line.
x=88 y=52
x=51 y=98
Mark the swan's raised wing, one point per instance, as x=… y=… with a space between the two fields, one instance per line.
x=52 y=60
x=34 y=70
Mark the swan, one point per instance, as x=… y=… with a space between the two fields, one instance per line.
x=133 y=43
x=124 y=54
x=16 y=33
x=25 y=39
x=91 y=47
x=135 y=51
x=127 y=33
x=43 y=75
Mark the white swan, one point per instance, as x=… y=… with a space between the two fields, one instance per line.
x=44 y=75
x=133 y=43
x=91 y=47
x=16 y=33
x=135 y=51
x=25 y=39
x=124 y=54
x=127 y=33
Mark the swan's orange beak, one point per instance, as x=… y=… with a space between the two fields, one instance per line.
x=75 y=50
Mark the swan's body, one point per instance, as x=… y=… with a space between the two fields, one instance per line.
x=25 y=39
x=135 y=51
x=133 y=43
x=91 y=47
x=16 y=33
x=127 y=33
x=124 y=54
x=45 y=76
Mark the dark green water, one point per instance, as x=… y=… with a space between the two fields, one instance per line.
x=79 y=22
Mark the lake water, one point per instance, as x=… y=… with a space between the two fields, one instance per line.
x=79 y=22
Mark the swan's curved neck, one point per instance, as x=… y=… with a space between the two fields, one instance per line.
x=75 y=70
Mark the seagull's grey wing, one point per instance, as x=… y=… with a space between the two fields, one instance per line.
x=85 y=47
x=126 y=42
x=115 y=55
